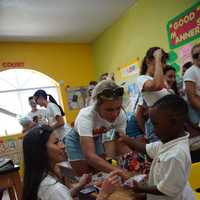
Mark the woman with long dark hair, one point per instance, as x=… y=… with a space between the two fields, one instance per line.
x=152 y=86
x=54 y=111
x=43 y=149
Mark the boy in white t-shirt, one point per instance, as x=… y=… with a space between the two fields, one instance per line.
x=37 y=115
x=168 y=177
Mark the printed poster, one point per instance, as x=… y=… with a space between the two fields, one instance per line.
x=76 y=97
x=185 y=27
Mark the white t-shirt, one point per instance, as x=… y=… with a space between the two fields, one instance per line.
x=53 y=111
x=193 y=75
x=150 y=97
x=41 y=114
x=89 y=122
x=51 y=189
x=170 y=169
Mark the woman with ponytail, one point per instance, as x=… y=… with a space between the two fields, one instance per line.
x=152 y=86
x=54 y=111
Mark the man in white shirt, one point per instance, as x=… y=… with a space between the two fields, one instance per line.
x=192 y=90
x=192 y=86
x=37 y=115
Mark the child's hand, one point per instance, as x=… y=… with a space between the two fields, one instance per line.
x=85 y=179
x=134 y=185
x=111 y=182
x=123 y=138
x=122 y=173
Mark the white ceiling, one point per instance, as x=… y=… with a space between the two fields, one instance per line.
x=58 y=20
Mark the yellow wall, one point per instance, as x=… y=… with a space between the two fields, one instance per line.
x=69 y=62
x=141 y=27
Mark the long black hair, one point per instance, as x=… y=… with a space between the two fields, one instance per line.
x=42 y=93
x=36 y=161
x=174 y=85
x=150 y=56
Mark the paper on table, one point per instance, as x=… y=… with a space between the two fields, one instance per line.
x=139 y=178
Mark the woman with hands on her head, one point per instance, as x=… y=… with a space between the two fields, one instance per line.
x=152 y=86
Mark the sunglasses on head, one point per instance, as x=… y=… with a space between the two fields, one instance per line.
x=195 y=55
x=109 y=93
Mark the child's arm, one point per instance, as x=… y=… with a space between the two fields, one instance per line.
x=138 y=188
x=141 y=188
x=133 y=144
x=84 y=180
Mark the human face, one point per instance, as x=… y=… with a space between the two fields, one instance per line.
x=32 y=103
x=40 y=100
x=55 y=149
x=170 y=77
x=196 y=60
x=161 y=123
x=110 y=109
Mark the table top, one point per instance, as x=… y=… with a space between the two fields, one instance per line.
x=8 y=170
x=122 y=193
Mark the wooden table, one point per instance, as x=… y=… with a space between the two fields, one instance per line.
x=122 y=194
x=119 y=194
x=10 y=179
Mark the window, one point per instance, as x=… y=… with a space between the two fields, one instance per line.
x=16 y=85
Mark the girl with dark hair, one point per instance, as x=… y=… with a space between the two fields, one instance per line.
x=43 y=149
x=170 y=77
x=152 y=86
x=54 y=112
x=151 y=82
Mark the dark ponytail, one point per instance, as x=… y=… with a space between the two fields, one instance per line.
x=144 y=67
x=42 y=93
x=51 y=99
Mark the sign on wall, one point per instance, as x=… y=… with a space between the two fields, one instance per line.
x=12 y=64
x=11 y=148
x=76 y=97
x=129 y=70
x=185 y=27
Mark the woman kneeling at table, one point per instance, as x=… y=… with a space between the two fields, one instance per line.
x=84 y=142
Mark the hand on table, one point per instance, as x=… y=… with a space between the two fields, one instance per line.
x=85 y=179
x=135 y=186
x=111 y=183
